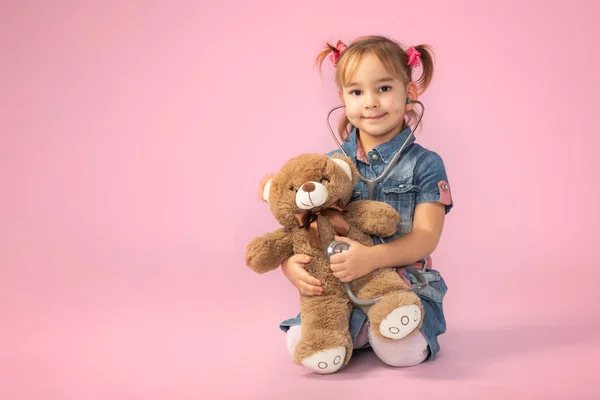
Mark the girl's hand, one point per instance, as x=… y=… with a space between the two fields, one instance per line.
x=294 y=269
x=354 y=263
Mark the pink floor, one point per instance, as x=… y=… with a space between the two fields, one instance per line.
x=150 y=347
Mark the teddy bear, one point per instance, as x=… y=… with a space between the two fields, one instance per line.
x=310 y=197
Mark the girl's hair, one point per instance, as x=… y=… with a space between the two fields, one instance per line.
x=390 y=54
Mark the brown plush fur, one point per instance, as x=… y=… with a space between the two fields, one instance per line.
x=325 y=319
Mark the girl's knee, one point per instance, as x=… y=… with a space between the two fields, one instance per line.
x=407 y=352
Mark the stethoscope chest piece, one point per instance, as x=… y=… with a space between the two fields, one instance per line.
x=336 y=247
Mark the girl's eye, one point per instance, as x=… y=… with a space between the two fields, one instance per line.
x=325 y=180
x=385 y=88
x=356 y=93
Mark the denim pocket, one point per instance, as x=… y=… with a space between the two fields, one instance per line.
x=401 y=195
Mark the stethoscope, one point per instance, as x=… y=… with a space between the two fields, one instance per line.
x=338 y=247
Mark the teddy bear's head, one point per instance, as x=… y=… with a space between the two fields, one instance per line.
x=309 y=182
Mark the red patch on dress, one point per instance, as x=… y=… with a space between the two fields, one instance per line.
x=445 y=194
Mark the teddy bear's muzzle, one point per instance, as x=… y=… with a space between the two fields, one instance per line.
x=311 y=195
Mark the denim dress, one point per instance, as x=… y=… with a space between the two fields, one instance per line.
x=419 y=177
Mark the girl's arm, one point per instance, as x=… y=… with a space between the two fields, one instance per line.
x=433 y=203
x=428 y=222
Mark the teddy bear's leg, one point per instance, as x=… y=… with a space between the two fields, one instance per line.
x=397 y=314
x=294 y=334
x=325 y=345
x=402 y=320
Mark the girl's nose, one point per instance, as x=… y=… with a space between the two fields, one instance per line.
x=371 y=101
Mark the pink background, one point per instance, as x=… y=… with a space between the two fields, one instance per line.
x=132 y=141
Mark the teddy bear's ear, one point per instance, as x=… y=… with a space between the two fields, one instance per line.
x=265 y=188
x=346 y=164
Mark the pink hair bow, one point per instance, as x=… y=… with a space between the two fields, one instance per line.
x=335 y=54
x=414 y=57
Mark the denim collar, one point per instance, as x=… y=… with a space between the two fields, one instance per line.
x=385 y=151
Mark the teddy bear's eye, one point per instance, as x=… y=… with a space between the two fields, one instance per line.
x=325 y=179
x=292 y=188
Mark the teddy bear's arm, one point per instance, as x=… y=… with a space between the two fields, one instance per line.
x=373 y=217
x=265 y=253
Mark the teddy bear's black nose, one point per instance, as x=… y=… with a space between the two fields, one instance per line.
x=308 y=187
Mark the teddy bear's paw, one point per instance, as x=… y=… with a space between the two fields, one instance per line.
x=326 y=361
x=401 y=322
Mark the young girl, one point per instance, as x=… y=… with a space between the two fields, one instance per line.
x=375 y=79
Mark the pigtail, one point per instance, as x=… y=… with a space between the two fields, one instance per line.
x=344 y=127
x=426 y=60
x=323 y=55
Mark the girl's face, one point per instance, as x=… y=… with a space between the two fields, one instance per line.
x=376 y=100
